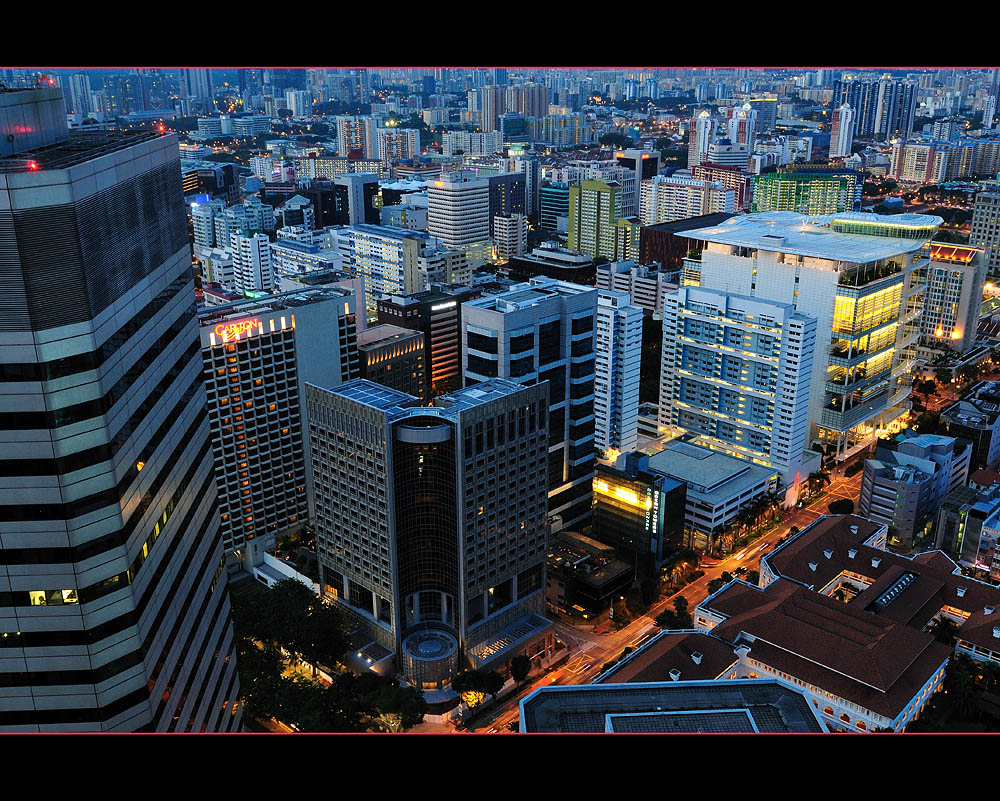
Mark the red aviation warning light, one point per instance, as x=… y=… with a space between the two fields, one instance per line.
x=161 y=128
x=33 y=166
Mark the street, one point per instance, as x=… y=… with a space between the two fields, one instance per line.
x=590 y=651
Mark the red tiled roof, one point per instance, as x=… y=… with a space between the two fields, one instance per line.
x=673 y=651
x=984 y=478
x=867 y=659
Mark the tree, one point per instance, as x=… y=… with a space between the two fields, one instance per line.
x=715 y=585
x=682 y=615
x=753 y=577
x=842 y=506
x=520 y=667
x=817 y=480
x=397 y=708
x=319 y=128
x=493 y=682
x=615 y=140
x=945 y=631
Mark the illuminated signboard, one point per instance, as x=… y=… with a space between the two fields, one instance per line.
x=230 y=331
x=441 y=306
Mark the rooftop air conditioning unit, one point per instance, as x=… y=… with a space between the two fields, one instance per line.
x=852 y=553
x=696 y=657
x=827 y=553
x=876 y=561
x=675 y=675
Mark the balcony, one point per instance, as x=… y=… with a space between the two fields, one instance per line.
x=869 y=273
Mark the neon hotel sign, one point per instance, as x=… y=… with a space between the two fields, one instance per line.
x=230 y=331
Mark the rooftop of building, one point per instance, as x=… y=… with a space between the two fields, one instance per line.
x=379 y=335
x=869 y=659
x=713 y=475
x=523 y=296
x=984 y=478
x=689 y=655
x=390 y=232
x=671 y=706
x=835 y=545
x=798 y=234
x=271 y=303
x=320 y=277
x=80 y=147
x=690 y=223
x=953 y=254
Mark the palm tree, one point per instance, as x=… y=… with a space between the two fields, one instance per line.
x=817 y=479
x=944 y=630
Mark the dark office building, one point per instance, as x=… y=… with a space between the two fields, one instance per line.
x=332 y=200
x=219 y=181
x=393 y=356
x=431 y=524
x=506 y=195
x=665 y=242
x=564 y=265
x=638 y=511
x=645 y=164
x=114 y=608
x=437 y=313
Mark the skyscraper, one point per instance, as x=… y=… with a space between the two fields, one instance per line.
x=258 y=356
x=616 y=372
x=431 y=523
x=113 y=615
x=862 y=277
x=537 y=332
x=594 y=209
x=458 y=213
x=736 y=375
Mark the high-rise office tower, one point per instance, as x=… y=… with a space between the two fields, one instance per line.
x=537 y=332
x=532 y=170
x=437 y=313
x=862 y=96
x=298 y=102
x=616 y=372
x=510 y=236
x=989 y=112
x=258 y=355
x=736 y=374
x=79 y=93
x=842 y=132
x=113 y=616
x=742 y=127
x=458 y=213
x=861 y=277
x=431 y=522
x=197 y=83
x=985 y=232
x=507 y=196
